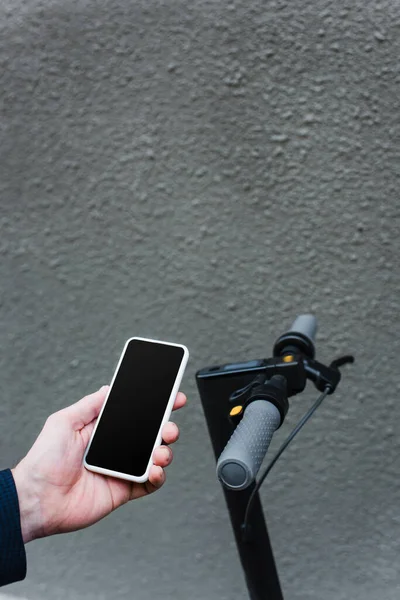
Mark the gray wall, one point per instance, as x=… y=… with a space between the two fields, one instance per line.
x=201 y=172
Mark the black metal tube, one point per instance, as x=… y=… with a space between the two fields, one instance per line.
x=255 y=554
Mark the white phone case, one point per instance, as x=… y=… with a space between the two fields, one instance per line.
x=165 y=419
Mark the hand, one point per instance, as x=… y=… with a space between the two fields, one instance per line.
x=56 y=493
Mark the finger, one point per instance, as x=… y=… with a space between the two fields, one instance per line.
x=180 y=401
x=83 y=412
x=156 y=479
x=86 y=433
x=170 y=433
x=162 y=456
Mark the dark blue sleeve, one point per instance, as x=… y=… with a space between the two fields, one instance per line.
x=12 y=549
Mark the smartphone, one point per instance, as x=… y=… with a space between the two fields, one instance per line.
x=138 y=404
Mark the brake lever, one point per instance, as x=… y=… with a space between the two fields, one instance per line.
x=326 y=377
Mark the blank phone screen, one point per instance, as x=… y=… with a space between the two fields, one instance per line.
x=131 y=419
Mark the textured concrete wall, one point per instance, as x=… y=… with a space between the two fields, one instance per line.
x=201 y=172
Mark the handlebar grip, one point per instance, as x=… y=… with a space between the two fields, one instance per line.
x=241 y=459
x=306 y=325
x=300 y=337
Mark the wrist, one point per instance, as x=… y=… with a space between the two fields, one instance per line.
x=29 y=505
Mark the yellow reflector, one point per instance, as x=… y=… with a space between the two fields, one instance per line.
x=236 y=410
x=288 y=358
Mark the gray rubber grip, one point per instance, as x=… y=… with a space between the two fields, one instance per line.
x=238 y=464
x=305 y=324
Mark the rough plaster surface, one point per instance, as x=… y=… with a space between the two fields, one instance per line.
x=201 y=172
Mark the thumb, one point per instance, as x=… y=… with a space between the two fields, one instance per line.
x=88 y=408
